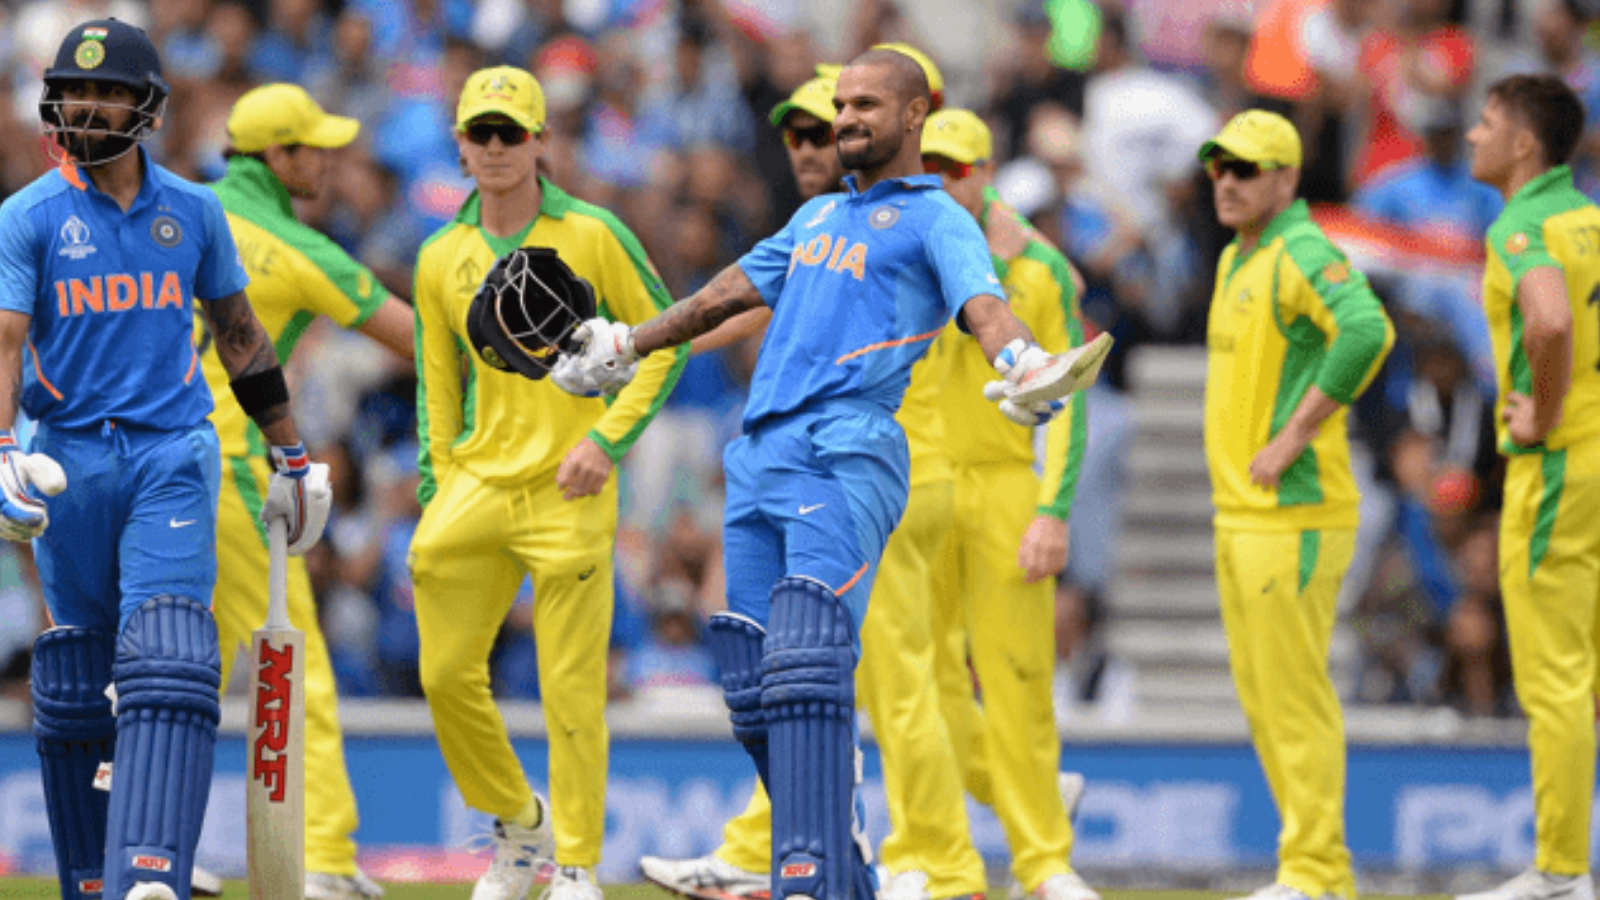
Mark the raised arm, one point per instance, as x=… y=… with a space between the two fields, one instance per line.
x=728 y=294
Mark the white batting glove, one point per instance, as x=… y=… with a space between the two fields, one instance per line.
x=1014 y=362
x=608 y=360
x=571 y=377
x=25 y=479
x=299 y=494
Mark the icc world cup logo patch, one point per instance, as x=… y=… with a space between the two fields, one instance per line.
x=166 y=231
x=90 y=54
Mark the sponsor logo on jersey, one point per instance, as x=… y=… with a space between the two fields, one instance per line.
x=151 y=862
x=822 y=214
x=75 y=237
x=118 y=293
x=833 y=254
x=166 y=231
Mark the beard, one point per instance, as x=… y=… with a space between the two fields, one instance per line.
x=90 y=140
x=873 y=153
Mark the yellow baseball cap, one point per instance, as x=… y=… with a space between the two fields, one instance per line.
x=935 y=80
x=814 y=97
x=506 y=91
x=957 y=134
x=1257 y=136
x=285 y=114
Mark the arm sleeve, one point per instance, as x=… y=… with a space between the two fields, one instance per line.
x=221 y=273
x=1045 y=296
x=439 y=393
x=1342 y=304
x=1521 y=251
x=19 y=263
x=767 y=264
x=336 y=286
x=958 y=253
x=632 y=292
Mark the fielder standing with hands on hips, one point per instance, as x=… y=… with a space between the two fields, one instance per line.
x=1295 y=335
x=101 y=262
x=859 y=283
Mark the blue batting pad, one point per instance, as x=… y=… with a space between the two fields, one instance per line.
x=736 y=644
x=167 y=672
x=808 y=693
x=75 y=734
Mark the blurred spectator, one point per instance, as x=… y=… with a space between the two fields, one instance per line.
x=620 y=146
x=21 y=614
x=1032 y=78
x=1436 y=192
x=1420 y=59
x=349 y=78
x=1560 y=29
x=700 y=101
x=1477 y=656
x=397 y=515
x=1091 y=683
x=672 y=654
x=298 y=38
x=1226 y=46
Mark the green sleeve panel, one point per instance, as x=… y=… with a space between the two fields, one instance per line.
x=1067 y=436
x=1341 y=303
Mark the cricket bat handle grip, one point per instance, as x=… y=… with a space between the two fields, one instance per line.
x=278 y=573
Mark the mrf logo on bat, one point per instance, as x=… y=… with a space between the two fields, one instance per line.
x=273 y=694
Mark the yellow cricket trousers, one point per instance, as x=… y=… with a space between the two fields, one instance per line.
x=1011 y=751
x=895 y=685
x=1279 y=593
x=1550 y=580
x=240 y=607
x=471 y=550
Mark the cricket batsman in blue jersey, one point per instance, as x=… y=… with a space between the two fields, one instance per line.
x=859 y=283
x=101 y=261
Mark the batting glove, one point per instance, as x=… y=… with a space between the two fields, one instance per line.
x=300 y=495
x=608 y=360
x=1014 y=363
x=25 y=479
x=571 y=377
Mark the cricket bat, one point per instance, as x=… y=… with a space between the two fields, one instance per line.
x=276 y=795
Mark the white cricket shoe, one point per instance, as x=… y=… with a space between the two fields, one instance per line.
x=1065 y=886
x=1279 y=891
x=706 y=878
x=327 y=886
x=519 y=854
x=571 y=883
x=912 y=884
x=204 y=883
x=1536 y=885
x=1071 y=785
x=151 y=890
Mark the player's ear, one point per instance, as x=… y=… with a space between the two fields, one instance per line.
x=916 y=113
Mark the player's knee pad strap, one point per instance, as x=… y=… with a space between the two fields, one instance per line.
x=167 y=672
x=808 y=693
x=736 y=642
x=76 y=734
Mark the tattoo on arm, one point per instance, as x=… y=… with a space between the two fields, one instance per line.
x=243 y=346
x=728 y=294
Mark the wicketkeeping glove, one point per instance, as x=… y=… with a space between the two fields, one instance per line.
x=299 y=494
x=24 y=477
x=607 y=361
x=1015 y=361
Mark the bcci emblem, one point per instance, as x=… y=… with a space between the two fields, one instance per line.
x=90 y=54
x=883 y=217
x=166 y=231
x=75 y=239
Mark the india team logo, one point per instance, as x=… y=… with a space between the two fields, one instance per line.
x=90 y=54
x=883 y=217
x=166 y=231
x=75 y=239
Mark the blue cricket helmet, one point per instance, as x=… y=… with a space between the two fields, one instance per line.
x=107 y=51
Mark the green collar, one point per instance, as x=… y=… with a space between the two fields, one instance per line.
x=990 y=198
x=556 y=204
x=250 y=185
x=1294 y=214
x=1558 y=178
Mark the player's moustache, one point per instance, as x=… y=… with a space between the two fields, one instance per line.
x=854 y=131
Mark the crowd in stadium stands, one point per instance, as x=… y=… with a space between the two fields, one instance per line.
x=657 y=111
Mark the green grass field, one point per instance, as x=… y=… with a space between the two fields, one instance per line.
x=41 y=889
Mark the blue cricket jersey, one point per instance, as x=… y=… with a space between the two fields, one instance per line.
x=860 y=284
x=111 y=296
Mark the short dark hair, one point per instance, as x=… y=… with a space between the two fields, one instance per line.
x=1550 y=109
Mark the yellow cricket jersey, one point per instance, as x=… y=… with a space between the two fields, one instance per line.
x=1548 y=223
x=922 y=420
x=1291 y=314
x=296 y=274
x=503 y=428
x=1038 y=281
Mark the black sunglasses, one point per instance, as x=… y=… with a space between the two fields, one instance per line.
x=1242 y=169
x=510 y=133
x=818 y=136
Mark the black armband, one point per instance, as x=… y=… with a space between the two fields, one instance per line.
x=261 y=391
